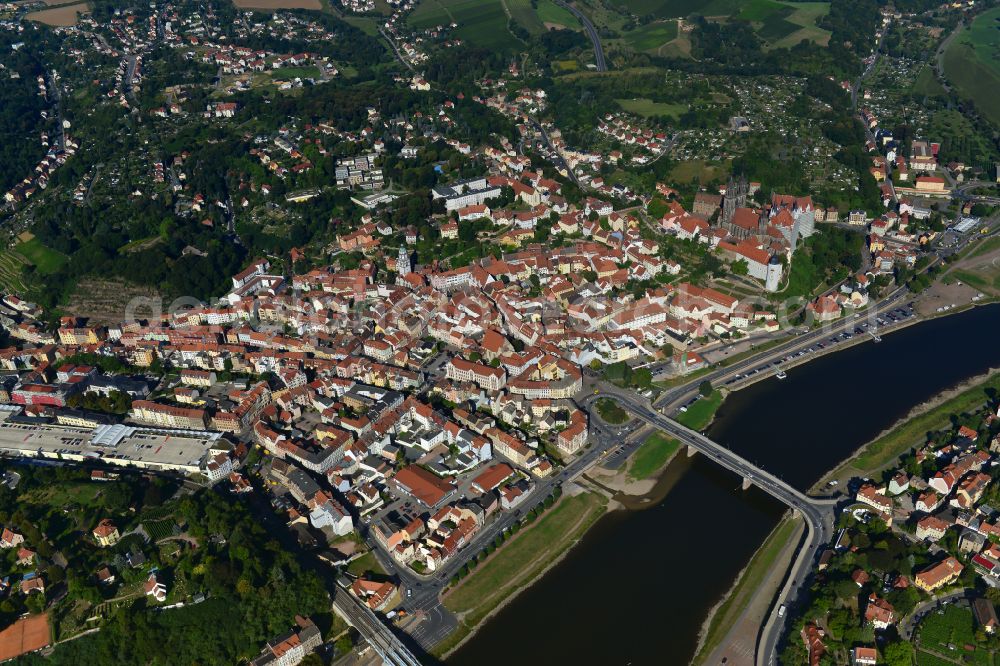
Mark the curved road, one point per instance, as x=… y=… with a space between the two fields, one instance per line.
x=602 y=66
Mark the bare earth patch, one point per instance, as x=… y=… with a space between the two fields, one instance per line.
x=977 y=273
x=103 y=301
x=278 y=4
x=940 y=295
x=59 y=16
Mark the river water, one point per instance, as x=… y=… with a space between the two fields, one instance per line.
x=639 y=585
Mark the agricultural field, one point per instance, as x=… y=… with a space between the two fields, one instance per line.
x=652 y=36
x=64 y=15
x=682 y=8
x=159 y=529
x=11 y=264
x=481 y=22
x=779 y=24
x=928 y=659
x=970 y=63
x=783 y=24
x=565 y=65
x=950 y=632
x=278 y=4
x=647 y=108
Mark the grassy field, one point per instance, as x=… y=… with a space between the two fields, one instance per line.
x=430 y=13
x=84 y=494
x=701 y=413
x=646 y=107
x=748 y=584
x=522 y=12
x=678 y=48
x=926 y=83
x=652 y=455
x=30 y=251
x=286 y=73
x=365 y=24
x=979 y=268
x=652 y=36
x=366 y=564
x=45 y=260
x=565 y=65
x=551 y=13
x=887 y=448
x=696 y=170
x=988 y=281
x=520 y=561
x=482 y=22
x=970 y=63
x=989 y=245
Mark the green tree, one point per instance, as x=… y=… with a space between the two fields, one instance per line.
x=898 y=654
x=705 y=388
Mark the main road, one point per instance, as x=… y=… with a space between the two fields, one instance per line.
x=599 y=61
x=422 y=592
x=672 y=399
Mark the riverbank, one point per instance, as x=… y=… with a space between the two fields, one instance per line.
x=517 y=564
x=602 y=550
x=729 y=633
x=907 y=432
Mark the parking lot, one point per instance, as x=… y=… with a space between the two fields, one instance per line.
x=865 y=327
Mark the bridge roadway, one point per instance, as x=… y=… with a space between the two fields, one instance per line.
x=818 y=513
x=379 y=636
x=423 y=591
